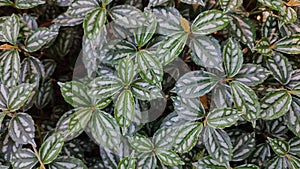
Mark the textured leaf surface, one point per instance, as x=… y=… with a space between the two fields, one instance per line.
x=280 y=147
x=293 y=117
x=196 y=83
x=18 y=96
x=230 y=5
x=24 y=159
x=145 y=91
x=247 y=166
x=264 y=47
x=51 y=148
x=294 y=162
x=168 y=20
x=141 y=143
x=277 y=162
x=39 y=38
x=3 y=97
x=233 y=58
x=156 y=2
x=80 y=8
x=11 y=28
x=243 y=147
x=222 y=117
x=144 y=33
x=275 y=104
x=94 y=22
x=79 y=120
x=274 y=4
x=5 y=3
x=146 y=161
x=26 y=4
x=126 y=70
x=208 y=163
x=200 y=2
x=64 y=162
x=168 y=157
x=252 y=75
x=127 y=162
x=10 y=68
x=188 y=108
x=288 y=44
x=295 y=146
x=105 y=86
x=288 y=15
x=164 y=137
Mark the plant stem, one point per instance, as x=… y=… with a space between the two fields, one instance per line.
x=38 y=157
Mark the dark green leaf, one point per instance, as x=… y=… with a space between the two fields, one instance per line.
x=18 y=96
x=146 y=161
x=24 y=159
x=145 y=91
x=141 y=143
x=105 y=86
x=10 y=68
x=188 y=108
x=164 y=137
x=6 y=3
x=94 y=22
x=230 y=5
x=208 y=163
x=51 y=148
x=168 y=157
x=127 y=162
x=247 y=166
x=288 y=44
x=38 y=38
x=3 y=97
x=280 y=147
x=80 y=8
x=264 y=47
x=222 y=117
x=26 y=4
x=11 y=28
x=277 y=162
x=64 y=162
x=233 y=58
x=126 y=70
x=294 y=162
x=273 y=4
x=295 y=146
x=243 y=147
x=252 y=75
x=293 y=117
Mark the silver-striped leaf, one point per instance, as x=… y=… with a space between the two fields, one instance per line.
x=222 y=117
x=2 y=116
x=261 y=154
x=3 y=96
x=141 y=143
x=288 y=15
x=218 y=144
x=11 y=28
x=280 y=68
x=127 y=162
x=221 y=96
x=149 y=67
x=81 y=8
x=171 y=47
x=156 y=2
x=200 y=2
x=294 y=162
x=18 y=96
x=168 y=157
x=245 y=101
x=24 y=159
x=296 y=90
x=38 y=38
x=233 y=57
x=288 y=44
x=145 y=91
x=275 y=104
x=144 y=33
x=94 y=22
x=273 y=4
x=168 y=20
x=64 y=162
x=269 y=28
x=187 y=137
x=188 y=108
x=126 y=70
x=243 y=147
x=277 y=162
x=10 y=68
x=6 y=3
x=51 y=148
x=195 y=84
x=124 y=109
x=26 y=4
x=252 y=74
x=9 y=147
x=280 y=147
x=209 y=21
x=230 y=5
x=206 y=51
x=75 y=93
x=79 y=121
x=295 y=146
x=32 y=70
x=264 y=47
x=293 y=117
x=105 y=86
x=247 y=166
x=208 y=162
x=44 y=95
x=105 y=130
x=21 y=129
x=146 y=161
x=164 y=137
x=65 y=19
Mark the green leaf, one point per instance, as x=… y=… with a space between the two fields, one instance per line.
x=168 y=20
x=64 y=162
x=247 y=166
x=149 y=67
x=195 y=84
x=273 y=4
x=275 y=104
x=75 y=93
x=209 y=21
x=261 y=154
x=168 y=157
x=218 y=144
x=44 y=95
x=187 y=137
x=145 y=91
x=208 y=163
x=126 y=70
x=295 y=146
x=242 y=28
x=222 y=117
x=164 y=137
x=18 y=96
x=21 y=129
x=141 y=143
x=233 y=58
x=245 y=101
x=79 y=120
x=146 y=161
x=26 y=4
x=10 y=68
x=280 y=147
x=156 y=2
x=294 y=162
x=243 y=147
x=252 y=75
x=277 y=162
x=293 y=117
x=288 y=15
x=51 y=148
x=280 y=68
x=3 y=97
x=289 y=44
x=38 y=38
x=11 y=28
x=127 y=162
x=270 y=28
x=207 y=52
x=80 y=8
x=200 y=2
x=24 y=159
x=221 y=96
x=101 y=104
x=105 y=86
x=6 y=3
x=105 y=130
x=171 y=47
x=264 y=47
x=2 y=116
x=188 y=108
x=124 y=109
x=94 y=22
x=144 y=33
x=32 y=70
x=230 y=5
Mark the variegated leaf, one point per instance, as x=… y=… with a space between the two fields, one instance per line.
x=105 y=86
x=280 y=147
x=188 y=108
x=288 y=15
x=171 y=47
x=94 y=22
x=127 y=162
x=105 y=130
x=294 y=162
x=80 y=8
x=145 y=91
x=144 y=33
x=208 y=163
x=2 y=116
x=261 y=154
x=264 y=47
x=273 y=4
x=233 y=57
x=9 y=147
x=146 y=161
x=164 y=137
x=295 y=146
x=64 y=162
x=44 y=95
x=10 y=68
x=270 y=28
x=275 y=104
x=65 y=19
x=187 y=137
x=247 y=166
x=79 y=121
x=209 y=21
x=6 y=3
x=196 y=83
x=32 y=70
x=218 y=144
x=168 y=20
x=207 y=52
x=11 y=28
x=200 y=2
x=168 y=157
x=293 y=116
x=124 y=109
x=38 y=38
x=75 y=93
x=289 y=44
x=126 y=70
x=21 y=129
x=243 y=147
x=230 y=5
x=3 y=97
x=246 y=101
x=149 y=67
x=24 y=159
x=156 y=2
x=26 y=4
x=141 y=143
x=222 y=117
x=252 y=74
x=51 y=148
x=277 y=162
x=221 y=96
x=280 y=68
x=18 y=96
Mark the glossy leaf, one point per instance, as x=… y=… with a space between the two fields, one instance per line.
x=79 y=120
x=274 y=4
x=264 y=47
x=188 y=108
x=288 y=15
x=200 y=2
x=141 y=143
x=295 y=146
x=168 y=157
x=164 y=137
x=5 y=3
x=230 y=5
x=81 y=8
x=38 y=38
x=144 y=33
x=277 y=162
x=243 y=147
x=222 y=117
x=51 y=148
x=288 y=44
x=293 y=117
x=64 y=162
x=24 y=159
x=233 y=58
x=247 y=166
x=11 y=28
x=105 y=86
x=280 y=147
x=26 y=4
x=126 y=70
x=18 y=96
x=145 y=91
x=208 y=163
x=156 y=2
x=146 y=161
x=168 y=20
x=3 y=96
x=10 y=68
x=127 y=162
x=252 y=75
x=294 y=162
x=94 y=22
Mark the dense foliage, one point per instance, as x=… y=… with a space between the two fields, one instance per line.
x=146 y=84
